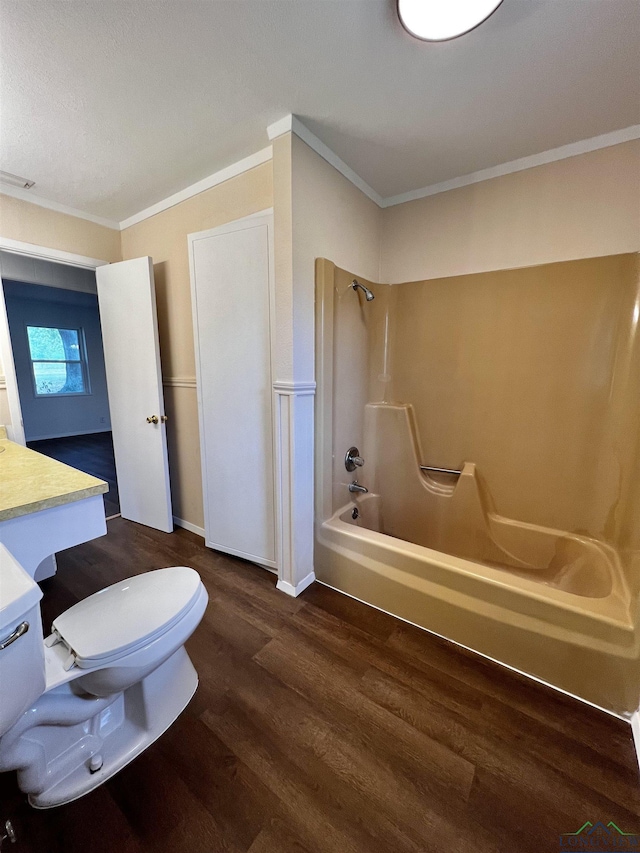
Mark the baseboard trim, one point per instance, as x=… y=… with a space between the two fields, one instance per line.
x=635 y=729
x=192 y=528
x=294 y=591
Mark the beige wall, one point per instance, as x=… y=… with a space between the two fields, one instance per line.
x=331 y=219
x=29 y=223
x=164 y=238
x=283 y=250
x=319 y=213
x=582 y=207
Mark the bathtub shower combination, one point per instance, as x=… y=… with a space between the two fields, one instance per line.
x=478 y=448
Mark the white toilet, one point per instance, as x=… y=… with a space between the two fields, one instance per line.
x=112 y=677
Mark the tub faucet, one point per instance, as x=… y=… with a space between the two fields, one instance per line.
x=356 y=487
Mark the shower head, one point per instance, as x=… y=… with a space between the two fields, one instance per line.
x=368 y=295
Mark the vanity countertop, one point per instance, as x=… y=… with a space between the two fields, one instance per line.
x=30 y=482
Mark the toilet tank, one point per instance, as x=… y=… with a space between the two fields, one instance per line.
x=22 y=673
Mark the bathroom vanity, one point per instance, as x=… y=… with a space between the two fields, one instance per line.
x=45 y=507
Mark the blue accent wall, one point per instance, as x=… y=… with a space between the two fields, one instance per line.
x=54 y=417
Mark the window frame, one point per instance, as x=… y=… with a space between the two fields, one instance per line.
x=82 y=361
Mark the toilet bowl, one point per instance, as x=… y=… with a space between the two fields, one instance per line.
x=108 y=681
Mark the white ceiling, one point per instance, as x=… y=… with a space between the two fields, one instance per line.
x=112 y=106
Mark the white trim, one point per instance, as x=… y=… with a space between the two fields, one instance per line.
x=574 y=149
x=230 y=227
x=280 y=127
x=244 y=165
x=482 y=655
x=27 y=195
x=294 y=591
x=327 y=154
x=292 y=124
x=635 y=730
x=192 y=528
x=284 y=464
x=179 y=381
x=219 y=177
x=294 y=472
x=299 y=389
x=17 y=247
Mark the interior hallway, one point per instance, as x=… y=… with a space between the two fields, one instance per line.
x=92 y=454
x=324 y=726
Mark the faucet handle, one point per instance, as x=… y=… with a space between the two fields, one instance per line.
x=352 y=459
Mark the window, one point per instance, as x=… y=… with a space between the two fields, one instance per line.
x=57 y=360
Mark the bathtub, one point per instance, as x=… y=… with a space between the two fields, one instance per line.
x=434 y=550
x=525 y=622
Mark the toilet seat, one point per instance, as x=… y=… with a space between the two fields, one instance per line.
x=126 y=616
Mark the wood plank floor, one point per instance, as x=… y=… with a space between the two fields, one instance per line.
x=92 y=454
x=323 y=726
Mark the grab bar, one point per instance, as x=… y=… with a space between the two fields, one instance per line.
x=440 y=470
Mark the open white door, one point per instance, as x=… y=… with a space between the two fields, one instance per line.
x=127 y=300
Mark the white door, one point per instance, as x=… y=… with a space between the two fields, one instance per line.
x=231 y=275
x=127 y=301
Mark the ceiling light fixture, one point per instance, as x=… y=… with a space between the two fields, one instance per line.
x=16 y=180
x=441 y=20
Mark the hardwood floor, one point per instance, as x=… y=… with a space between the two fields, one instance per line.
x=323 y=726
x=92 y=454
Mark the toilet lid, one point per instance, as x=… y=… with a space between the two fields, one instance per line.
x=127 y=615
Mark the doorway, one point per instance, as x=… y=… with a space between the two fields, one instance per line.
x=54 y=329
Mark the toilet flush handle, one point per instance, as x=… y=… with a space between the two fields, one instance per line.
x=9 y=833
x=22 y=628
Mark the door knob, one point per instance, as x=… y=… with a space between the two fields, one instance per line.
x=153 y=419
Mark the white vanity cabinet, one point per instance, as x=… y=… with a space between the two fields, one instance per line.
x=45 y=507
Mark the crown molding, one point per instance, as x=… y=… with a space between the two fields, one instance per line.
x=573 y=149
x=27 y=195
x=280 y=127
x=292 y=124
x=244 y=165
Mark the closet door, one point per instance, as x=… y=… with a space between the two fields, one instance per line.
x=231 y=276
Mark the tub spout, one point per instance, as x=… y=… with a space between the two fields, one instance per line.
x=356 y=487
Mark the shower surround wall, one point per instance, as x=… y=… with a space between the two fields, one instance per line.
x=527 y=380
